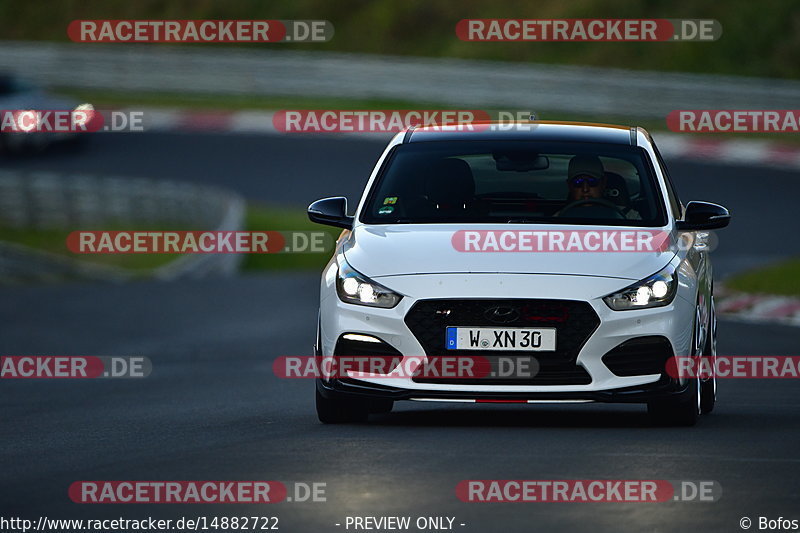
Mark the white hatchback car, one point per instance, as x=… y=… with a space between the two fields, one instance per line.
x=423 y=270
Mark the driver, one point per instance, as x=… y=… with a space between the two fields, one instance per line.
x=586 y=180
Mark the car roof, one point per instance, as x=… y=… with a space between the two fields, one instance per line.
x=525 y=131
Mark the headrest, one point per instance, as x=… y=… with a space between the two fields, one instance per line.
x=450 y=181
x=616 y=189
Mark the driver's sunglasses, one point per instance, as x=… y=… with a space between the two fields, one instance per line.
x=590 y=180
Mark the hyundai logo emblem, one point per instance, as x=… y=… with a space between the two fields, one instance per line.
x=501 y=314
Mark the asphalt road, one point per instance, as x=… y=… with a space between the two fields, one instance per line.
x=212 y=408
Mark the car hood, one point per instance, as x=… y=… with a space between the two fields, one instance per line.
x=394 y=250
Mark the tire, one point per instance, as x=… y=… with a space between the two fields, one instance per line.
x=318 y=342
x=677 y=413
x=337 y=411
x=332 y=411
x=683 y=411
x=708 y=387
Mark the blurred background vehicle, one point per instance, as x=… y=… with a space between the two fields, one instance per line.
x=19 y=95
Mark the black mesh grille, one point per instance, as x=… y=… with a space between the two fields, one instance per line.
x=574 y=322
x=639 y=357
x=386 y=353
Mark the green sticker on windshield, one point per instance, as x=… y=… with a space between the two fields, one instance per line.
x=385 y=210
x=390 y=200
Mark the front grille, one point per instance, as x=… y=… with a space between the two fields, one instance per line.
x=639 y=357
x=574 y=322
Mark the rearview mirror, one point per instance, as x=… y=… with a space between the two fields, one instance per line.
x=331 y=212
x=520 y=161
x=703 y=215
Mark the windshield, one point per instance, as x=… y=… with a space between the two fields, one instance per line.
x=515 y=181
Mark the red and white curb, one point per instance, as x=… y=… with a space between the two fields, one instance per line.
x=730 y=151
x=758 y=307
x=695 y=147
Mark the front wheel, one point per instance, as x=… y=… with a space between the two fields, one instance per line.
x=708 y=386
x=683 y=413
x=339 y=411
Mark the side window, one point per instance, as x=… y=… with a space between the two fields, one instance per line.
x=674 y=202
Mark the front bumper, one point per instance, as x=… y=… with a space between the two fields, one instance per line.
x=673 y=322
x=663 y=389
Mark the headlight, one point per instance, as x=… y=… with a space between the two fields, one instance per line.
x=656 y=291
x=88 y=110
x=355 y=288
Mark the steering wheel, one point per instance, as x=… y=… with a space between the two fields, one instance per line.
x=598 y=202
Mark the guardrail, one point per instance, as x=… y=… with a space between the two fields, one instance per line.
x=487 y=84
x=44 y=200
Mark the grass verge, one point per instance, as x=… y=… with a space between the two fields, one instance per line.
x=54 y=241
x=781 y=278
x=257 y=218
x=261 y=218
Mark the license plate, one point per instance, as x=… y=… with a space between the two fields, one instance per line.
x=513 y=339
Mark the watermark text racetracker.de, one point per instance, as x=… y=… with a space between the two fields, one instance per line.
x=396 y=120
x=206 y=491
x=587 y=490
x=198 y=242
x=200 y=31
x=82 y=119
x=73 y=366
x=591 y=30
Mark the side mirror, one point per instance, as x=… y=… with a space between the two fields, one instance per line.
x=331 y=212
x=703 y=215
